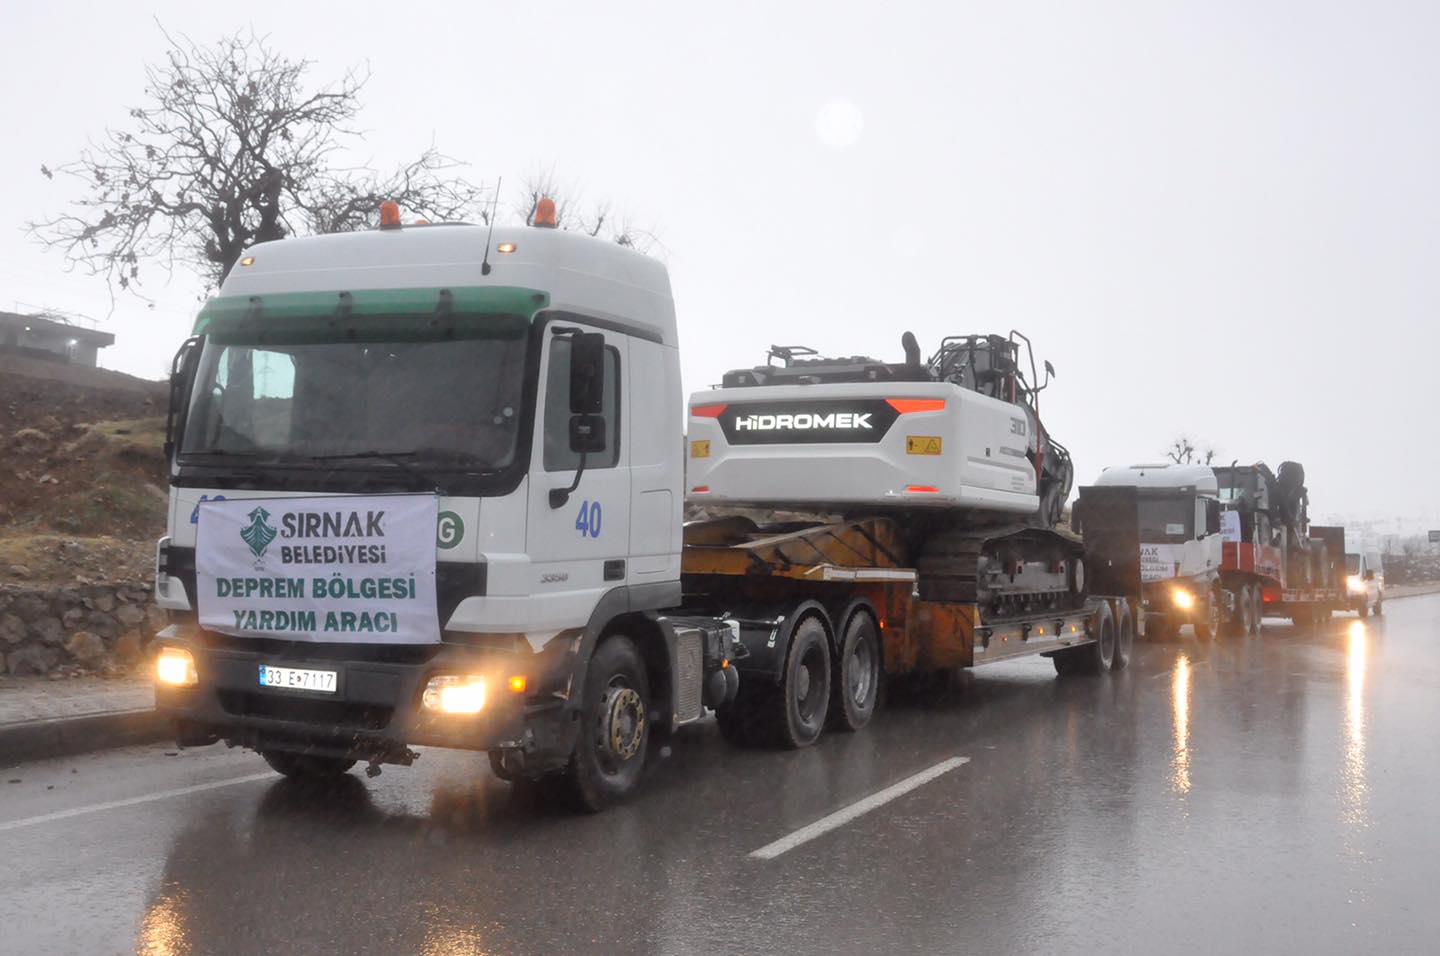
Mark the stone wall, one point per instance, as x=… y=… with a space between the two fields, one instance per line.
x=99 y=629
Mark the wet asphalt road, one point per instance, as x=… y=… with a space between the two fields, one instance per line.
x=1278 y=794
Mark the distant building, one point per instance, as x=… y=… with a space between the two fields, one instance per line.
x=51 y=337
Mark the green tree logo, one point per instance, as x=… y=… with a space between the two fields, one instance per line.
x=259 y=532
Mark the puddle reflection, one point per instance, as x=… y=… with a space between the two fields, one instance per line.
x=1354 y=785
x=1180 y=712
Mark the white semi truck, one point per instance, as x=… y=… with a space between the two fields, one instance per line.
x=426 y=489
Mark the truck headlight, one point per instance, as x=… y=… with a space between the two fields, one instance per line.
x=1183 y=599
x=1356 y=584
x=175 y=667
x=455 y=694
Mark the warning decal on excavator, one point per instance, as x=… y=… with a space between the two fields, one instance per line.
x=700 y=448
x=922 y=445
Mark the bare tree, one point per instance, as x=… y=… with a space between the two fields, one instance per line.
x=1183 y=451
x=229 y=149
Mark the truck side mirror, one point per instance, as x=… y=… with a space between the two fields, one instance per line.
x=1212 y=516
x=182 y=376
x=587 y=375
x=587 y=433
x=1049 y=369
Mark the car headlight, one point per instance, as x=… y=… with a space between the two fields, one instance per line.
x=1355 y=583
x=455 y=694
x=1183 y=599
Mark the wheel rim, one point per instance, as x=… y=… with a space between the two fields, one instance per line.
x=809 y=684
x=860 y=677
x=1107 y=643
x=621 y=729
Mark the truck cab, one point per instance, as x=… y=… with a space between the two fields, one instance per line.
x=426 y=488
x=1181 y=543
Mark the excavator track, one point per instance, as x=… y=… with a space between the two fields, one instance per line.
x=1007 y=570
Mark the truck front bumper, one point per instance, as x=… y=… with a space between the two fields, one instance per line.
x=376 y=712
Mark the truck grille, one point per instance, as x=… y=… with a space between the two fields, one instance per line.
x=335 y=713
x=689 y=673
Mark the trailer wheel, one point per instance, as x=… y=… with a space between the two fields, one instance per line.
x=614 y=733
x=1124 y=637
x=1364 y=608
x=1095 y=657
x=855 y=684
x=311 y=767
x=1257 y=619
x=1379 y=605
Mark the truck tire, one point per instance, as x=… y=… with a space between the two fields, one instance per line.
x=1257 y=617
x=614 y=736
x=1124 y=638
x=1380 y=604
x=1364 y=608
x=855 y=683
x=1207 y=619
x=1242 y=621
x=797 y=715
x=1095 y=657
x=311 y=767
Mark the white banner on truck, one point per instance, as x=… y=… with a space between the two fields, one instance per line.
x=357 y=570
x=1159 y=562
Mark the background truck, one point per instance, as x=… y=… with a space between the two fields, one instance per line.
x=1222 y=548
x=426 y=489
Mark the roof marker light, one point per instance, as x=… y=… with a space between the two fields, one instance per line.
x=907 y=405
x=248 y=261
x=506 y=247
x=389 y=214
x=545 y=216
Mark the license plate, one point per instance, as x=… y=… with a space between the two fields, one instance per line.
x=298 y=678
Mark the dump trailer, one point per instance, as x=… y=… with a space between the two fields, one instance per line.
x=1220 y=548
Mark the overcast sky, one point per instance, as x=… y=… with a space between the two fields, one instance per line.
x=1214 y=218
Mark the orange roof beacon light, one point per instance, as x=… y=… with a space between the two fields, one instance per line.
x=389 y=214
x=545 y=217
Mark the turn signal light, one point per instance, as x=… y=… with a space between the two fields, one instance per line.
x=518 y=683
x=175 y=667
x=921 y=490
x=707 y=411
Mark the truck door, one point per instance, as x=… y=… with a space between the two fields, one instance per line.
x=578 y=548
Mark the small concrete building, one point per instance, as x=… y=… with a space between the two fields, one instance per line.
x=51 y=337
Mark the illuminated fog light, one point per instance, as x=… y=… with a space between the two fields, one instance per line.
x=455 y=694
x=1184 y=600
x=176 y=668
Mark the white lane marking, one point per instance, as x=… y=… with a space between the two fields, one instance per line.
x=859 y=808
x=132 y=801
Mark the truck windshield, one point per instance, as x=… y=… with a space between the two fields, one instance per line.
x=1166 y=520
x=450 y=399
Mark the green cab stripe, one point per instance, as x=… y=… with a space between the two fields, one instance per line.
x=506 y=300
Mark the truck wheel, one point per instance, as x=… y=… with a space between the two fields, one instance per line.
x=1243 y=621
x=797 y=710
x=1364 y=608
x=313 y=767
x=614 y=728
x=855 y=684
x=1207 y=619
x=1257 y=615
x=1093 y=658
x=1379 y=604
x=1124 y=638
x=498 y=768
